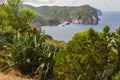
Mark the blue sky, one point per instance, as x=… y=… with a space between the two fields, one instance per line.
x=104 y=5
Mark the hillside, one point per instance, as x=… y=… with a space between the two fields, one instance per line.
x=52 y=15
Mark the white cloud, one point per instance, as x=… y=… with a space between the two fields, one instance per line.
x=104 y=5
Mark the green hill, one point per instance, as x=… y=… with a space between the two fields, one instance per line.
x=52 y=15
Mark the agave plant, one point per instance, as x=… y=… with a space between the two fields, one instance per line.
x=5 y=58
x=31 y=55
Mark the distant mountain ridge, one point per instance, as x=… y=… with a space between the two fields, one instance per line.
x=53 y=15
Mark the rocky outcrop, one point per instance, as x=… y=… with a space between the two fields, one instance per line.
x=99 y=13
x=85 y=19
x=55 y=15
x=66 y=23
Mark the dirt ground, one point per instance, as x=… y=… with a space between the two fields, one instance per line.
x=11 y=77
x=15 y=75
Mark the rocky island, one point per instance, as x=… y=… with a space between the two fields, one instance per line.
x=54 y=15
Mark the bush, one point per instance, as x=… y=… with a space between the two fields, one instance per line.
x=88 y=56
x=30 y=55
x=116 y=76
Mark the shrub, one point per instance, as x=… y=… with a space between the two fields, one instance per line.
x=30 y=55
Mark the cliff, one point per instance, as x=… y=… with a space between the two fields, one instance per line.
x=85 y=20
x=86 y=15
x=54 y=15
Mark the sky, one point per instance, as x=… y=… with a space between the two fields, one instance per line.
x=103 y=5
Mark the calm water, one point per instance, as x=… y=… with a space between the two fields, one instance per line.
x=65 y=33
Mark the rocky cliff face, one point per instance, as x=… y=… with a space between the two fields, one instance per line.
x=54 y=15
x=85 y=19
x=99 y=13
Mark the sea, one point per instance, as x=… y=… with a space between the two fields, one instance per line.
x=65 y=33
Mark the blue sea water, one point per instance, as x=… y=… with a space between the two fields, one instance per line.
x=66 y=33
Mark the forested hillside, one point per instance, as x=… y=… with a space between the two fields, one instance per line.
x=56 y=14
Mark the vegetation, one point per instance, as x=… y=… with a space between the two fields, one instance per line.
x=55 y=14
x=90 y=55
x=14 y=17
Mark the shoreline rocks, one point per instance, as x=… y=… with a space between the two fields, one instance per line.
x=85 y=19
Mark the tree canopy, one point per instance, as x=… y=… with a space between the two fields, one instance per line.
x=12 y=15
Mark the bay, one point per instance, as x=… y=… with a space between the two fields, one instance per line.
x=65 y=33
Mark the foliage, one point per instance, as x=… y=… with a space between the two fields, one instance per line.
x=61 y=13
x=29 y=54
x=39 y=19
x=53 y=21
x=13 y=16
x=21 y=46
x=85 y=10
x=88 y=56
x=117 y=76
x=116 y=45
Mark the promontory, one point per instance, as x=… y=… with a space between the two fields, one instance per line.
x=54 y=15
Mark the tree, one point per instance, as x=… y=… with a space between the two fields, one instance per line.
x=116 y=45
x=15 y=16
x=5 y=26
x=88 y=56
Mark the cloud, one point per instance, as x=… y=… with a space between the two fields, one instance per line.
x=104 y=5
x=38 y=2
x=52 y=2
